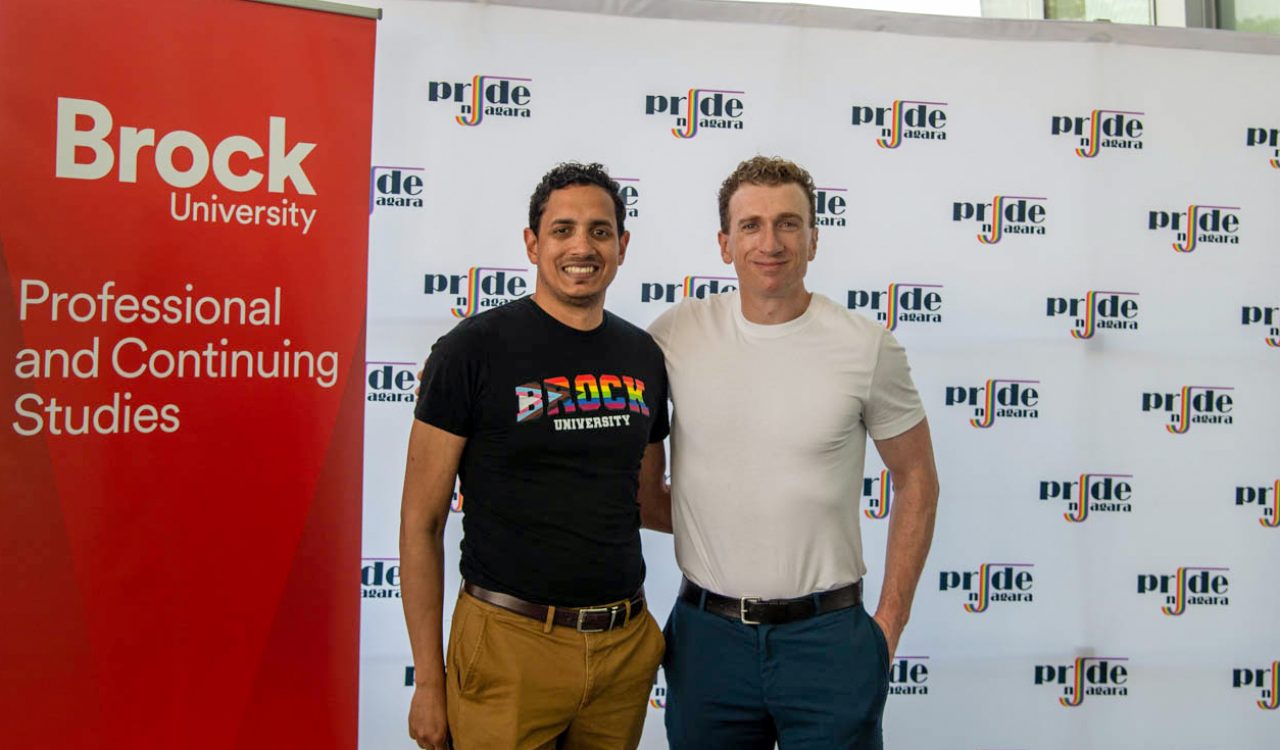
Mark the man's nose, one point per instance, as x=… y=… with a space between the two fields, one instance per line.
x=770 y=242
x=579 y=240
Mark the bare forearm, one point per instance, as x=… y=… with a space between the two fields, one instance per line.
x=654 y=494
x=429 y=473
x=910 y=535
x=422 y=592
x=655 y=512
x=424 y=509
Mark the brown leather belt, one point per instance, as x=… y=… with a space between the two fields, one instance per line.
x=582 y=619
x=752 y=610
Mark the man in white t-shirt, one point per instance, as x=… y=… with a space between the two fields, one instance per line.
x=775 y=389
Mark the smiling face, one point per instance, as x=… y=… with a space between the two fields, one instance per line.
x=769 y=242
x=577 y=249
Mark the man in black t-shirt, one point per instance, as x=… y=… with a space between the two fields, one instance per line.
x=544 y=409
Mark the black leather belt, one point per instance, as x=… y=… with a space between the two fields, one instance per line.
x=582 y=619
x=752 y=610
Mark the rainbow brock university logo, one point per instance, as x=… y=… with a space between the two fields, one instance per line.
x=699 y=109
x=1187 y=587
x=1003 y=215
x=991 y=582
x=901 y=302
x=1094 y=676
x=1266 y=498
x=998 y=398
x=1090 y=493
x=484 y=96
x=904 y=119
x=1096 y=310
x=478 y=289
x=1103 y=128
x=1192 y=404
x=1266 y=680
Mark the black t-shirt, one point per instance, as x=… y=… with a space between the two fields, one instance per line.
x=556 y=421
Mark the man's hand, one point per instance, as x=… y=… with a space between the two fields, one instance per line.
x=892 y=632
x=428 y=722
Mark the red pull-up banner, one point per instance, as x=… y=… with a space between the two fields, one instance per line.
x=183 y=236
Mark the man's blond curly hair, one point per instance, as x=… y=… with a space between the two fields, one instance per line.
x=766 y=170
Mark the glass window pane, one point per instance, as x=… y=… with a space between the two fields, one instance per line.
x=1116 y=11
x=1249 y=15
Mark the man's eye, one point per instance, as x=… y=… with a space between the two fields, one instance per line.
x=601 y=233
x=789 y=224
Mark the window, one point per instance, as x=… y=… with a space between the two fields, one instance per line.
x=1116 y=11
x=1261 y=16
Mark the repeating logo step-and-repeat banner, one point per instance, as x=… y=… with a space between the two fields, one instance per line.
x=183 y=237
x=1075 y=241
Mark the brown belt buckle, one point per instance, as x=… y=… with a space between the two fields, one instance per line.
x=582 y=613
x=742 y=609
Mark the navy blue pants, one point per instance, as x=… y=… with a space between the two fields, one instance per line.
x=813 y=684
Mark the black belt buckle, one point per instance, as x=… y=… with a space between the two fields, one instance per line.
x=742 y=609
x=582 y=613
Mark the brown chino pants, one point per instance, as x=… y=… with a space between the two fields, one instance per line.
x=511 y=683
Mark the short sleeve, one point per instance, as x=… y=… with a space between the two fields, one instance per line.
x=451 y=381
x=660 y=330
x=661 y=426
x=893 y=404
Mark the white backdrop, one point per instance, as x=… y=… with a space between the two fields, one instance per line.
x=1065 y=642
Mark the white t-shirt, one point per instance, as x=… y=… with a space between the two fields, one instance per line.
x=768 y=440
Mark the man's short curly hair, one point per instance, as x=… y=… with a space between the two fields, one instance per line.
x=572 y=173
x=766 y=170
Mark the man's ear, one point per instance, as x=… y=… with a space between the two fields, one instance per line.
x=531 y=245
x=623 y=240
